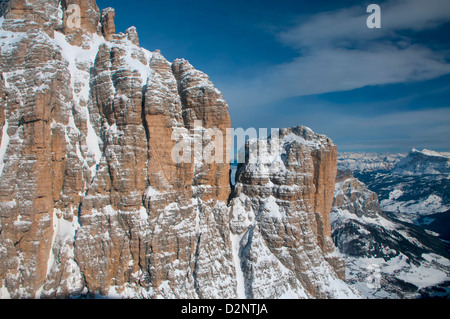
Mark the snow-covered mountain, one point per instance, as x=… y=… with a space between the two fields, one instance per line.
x=280 y=218
x=368 y=162
x=385 y=258
x=94 y=205
x=423 y=162
x=95 y=200
x=415 y=190
x=391 y=222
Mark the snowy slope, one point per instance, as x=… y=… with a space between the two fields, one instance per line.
x=416 y=189
x=385 y=258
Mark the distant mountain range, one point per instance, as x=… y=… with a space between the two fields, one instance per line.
x=416 y=189
x=390 y=219
x=368 y=162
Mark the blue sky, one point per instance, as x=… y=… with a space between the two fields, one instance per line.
x=285 y=63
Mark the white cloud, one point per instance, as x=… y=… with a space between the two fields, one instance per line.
x=337 y=69
x=349 y=24
x=337 y=52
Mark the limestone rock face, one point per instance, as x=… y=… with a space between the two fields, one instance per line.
x=90 y=199
x=353 y=196
x=35 y=152
x=23 y=15
x=108 y=26
x=82 y=17
x=114 y=177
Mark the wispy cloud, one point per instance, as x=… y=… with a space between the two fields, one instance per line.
x=348 y=25
x=337 y=52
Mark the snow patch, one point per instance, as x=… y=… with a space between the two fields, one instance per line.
x=4 y=293
x=3 y=146
x=150 y=191
x=299 y=139
x=143 y=214
x=63 y=237
x=395 y=194
x=411 y=210
x=9 y=39
x=240 y=281
x=93 y=143
x=144 y=70
x=76 y=55
x=272 y=208
x=343 y=214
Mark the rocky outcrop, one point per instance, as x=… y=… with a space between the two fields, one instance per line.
x=108 y=25
x=94 y=198
x=82 y=19
x=22 y=15
x=280 y=208
x=352 y=195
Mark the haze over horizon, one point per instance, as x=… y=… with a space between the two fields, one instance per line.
x=288 y=63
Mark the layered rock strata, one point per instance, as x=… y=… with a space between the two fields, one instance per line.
x=90 y=197
x=93 y=201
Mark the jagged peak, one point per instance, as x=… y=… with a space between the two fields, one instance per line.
x=132 y=35
x=107 y=10
x=74 y=18
x=186 y=73
x=107 y=22
x=428 y=152
x=302 y=135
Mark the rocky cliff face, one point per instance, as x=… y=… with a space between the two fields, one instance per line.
x=91 y=200
x=280 y=217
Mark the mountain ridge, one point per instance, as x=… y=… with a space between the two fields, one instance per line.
x=92 y=203
x=385 y=257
